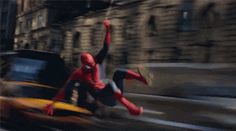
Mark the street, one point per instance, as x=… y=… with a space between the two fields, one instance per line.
x=161 y=113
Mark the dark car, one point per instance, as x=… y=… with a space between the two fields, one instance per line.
x=30 y=79
x=36 y=67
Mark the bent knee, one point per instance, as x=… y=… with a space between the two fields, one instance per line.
x=119 y=73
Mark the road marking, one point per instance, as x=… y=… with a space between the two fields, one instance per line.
x=168 y=123
x=186 y=65
x=153 y=112
x=174 y=124
x=178 y=100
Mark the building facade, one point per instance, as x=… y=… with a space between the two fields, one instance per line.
x=34 y=29
x=7 y=24
x=152 y=31
x=39 y=23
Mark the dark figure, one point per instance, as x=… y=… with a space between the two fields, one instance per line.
x=88 y=77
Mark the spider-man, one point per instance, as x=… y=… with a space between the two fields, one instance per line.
x=88 y=77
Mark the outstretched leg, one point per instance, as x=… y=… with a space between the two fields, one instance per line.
x=111 y=93
x=132 y=108
x=121 y=74
x=114 y=90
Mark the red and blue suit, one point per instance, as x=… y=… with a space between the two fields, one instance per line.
x=88 y=77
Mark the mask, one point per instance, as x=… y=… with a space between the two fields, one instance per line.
x=87 y=60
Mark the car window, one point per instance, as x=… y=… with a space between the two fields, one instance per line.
x=24 y=69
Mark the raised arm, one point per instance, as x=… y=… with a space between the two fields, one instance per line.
x=107 y=40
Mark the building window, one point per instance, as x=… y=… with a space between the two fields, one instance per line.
x=185 y=17
x=209 y=16
x=32 y=3
x=75 y=59
x=34 y=43
x=130 y=29
x=124 y=59
x=152 y=26
x=54 y=45
x=34 y=22
x=76 y=40
x=28 y=24
x=40 y=21
x=22 y=5
x=20 y=27
x=27 y=46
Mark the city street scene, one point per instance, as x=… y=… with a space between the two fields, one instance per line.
x=116 y=65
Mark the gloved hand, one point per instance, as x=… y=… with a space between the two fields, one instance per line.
x=107 y=24
x=48 y=109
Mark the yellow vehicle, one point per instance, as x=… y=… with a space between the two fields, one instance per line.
x=30 y=80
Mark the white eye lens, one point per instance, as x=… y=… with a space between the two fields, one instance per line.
x=87 y=67
x=77 y=84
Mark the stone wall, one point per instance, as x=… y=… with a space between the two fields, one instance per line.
x=160 y=31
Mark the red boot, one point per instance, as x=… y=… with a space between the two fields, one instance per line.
x=132 y=108
x=138 y=76
x=143 y=78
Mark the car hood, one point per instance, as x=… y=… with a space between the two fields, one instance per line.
x=20 y=83
x=39 y=104
x=25 y=102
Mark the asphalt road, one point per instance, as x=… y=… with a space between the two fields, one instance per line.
x=111 y=124
x=161 y=113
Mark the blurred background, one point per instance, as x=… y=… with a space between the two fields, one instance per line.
x=188 y=47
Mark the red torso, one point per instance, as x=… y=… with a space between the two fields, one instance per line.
x=86 y=76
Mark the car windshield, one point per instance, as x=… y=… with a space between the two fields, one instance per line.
x=24 y=69
x=34 y=66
